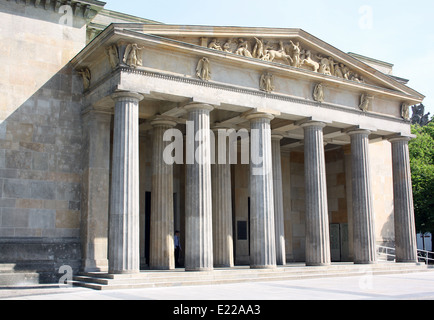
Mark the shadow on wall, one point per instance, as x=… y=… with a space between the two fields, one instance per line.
x=40 y=179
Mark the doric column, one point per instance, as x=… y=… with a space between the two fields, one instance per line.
x=363 y=213
x=279 y=220
x=198 y=202
x=162 y=231
x=405 y=231
x=222 y=203
x=124 y=255
x=262 y=229
x=95 y=190
x=317 y=221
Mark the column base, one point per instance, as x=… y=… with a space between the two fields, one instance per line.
x=264 y=267
x=90 y=265
x=319 y=264
x=407 y=261
x=365 y=262
x=125 y=272
x=223 y=266
x=161 y=268
x=198 y=269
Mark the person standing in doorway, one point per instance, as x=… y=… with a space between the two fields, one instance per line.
x=177 y=249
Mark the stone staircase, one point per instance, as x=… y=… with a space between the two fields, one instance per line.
x=178 y=277
x=11 y=277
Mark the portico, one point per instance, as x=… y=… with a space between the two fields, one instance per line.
x=298 y=111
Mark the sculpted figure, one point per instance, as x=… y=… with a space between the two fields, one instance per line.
x=338 y=71
x=215 y=44
x=357 y=78
x=203 y=70
x=405 y=111
x=113 y=56
x=310 y=62
x=425 y=120
x=132 y=56
x=318 y=93
x=259 y=50
x=243 y=48
x=266 y=82
x=227 y=46
x=85 y=74
x=418 y=113
x=345 y=71
x=365 y=102
x=296 y=52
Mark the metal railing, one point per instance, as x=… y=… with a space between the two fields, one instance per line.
x=388 y=254
x=426 y=256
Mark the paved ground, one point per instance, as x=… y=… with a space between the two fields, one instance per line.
x=413 y=286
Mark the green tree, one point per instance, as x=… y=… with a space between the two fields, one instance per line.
x=422 y=173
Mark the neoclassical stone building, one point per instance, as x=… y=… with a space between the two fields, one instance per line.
x=95 y=102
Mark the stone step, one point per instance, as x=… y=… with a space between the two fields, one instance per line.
x=154 y=279
x=18 y=279
x=7 y=267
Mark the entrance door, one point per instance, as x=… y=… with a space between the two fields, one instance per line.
x=339 y=242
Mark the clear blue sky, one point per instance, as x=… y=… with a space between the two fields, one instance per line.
x=397 y=31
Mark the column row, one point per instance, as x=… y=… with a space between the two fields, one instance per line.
x=208 y=196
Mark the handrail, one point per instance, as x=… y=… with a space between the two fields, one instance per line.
x=423 y=255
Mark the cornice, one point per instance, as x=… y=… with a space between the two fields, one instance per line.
x=86 y=9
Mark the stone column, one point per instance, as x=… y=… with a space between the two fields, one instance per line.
x=222 y=203
x=198 y=202
x=317 y=220
x=405 y=230
x=262 y=229
x=162 y=220
x=363 y=213
x=95 y=190
x=124 y=255
x=279 y=220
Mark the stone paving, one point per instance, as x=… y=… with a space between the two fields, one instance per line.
x=414 y=286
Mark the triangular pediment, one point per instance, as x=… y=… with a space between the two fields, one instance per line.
x=292 y=48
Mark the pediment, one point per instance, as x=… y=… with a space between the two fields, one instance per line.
x=294 y=49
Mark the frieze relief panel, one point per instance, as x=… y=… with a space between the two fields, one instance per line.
x=286 y=52
x=290 y=53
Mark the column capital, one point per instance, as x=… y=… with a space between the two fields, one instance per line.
x=259 y=115
x=276 y=136
x=198 y=106
x=313 y=124
x=400 y=137
x=163 y=121
x=358 y=131
x=125 y=95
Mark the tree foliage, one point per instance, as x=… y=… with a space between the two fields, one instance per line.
x=422 y=173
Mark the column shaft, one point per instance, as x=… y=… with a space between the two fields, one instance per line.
x=162 y=231
x=279 y=220
x=405 y=230
x=222 y=204
x=317 y=221
x=363 y=213
x=262 y=228
x=198 y=202
x=95 y=191
x=124 y=255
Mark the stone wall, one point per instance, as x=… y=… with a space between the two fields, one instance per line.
x=40 y=135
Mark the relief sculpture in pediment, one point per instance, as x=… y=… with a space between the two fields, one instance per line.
x=290 y=53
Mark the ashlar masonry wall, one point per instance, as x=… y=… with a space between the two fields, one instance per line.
x=40 y=137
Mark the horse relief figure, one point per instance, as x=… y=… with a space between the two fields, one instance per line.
x=266 y=52
x=308 y=61
x=243 y=48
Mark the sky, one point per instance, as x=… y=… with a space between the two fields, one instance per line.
x=396 y=31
